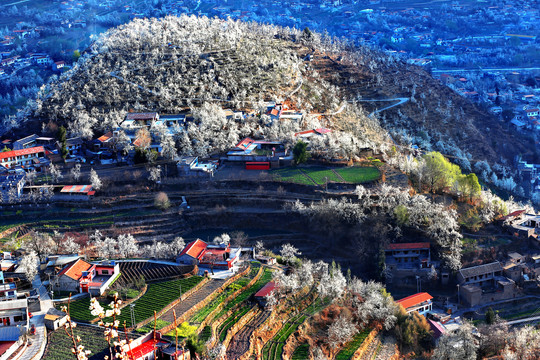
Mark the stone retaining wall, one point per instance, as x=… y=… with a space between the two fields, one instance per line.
x=188 y=314
x=229 y=298
x=254 y=311
x=269 y=328
x=362 y=349
x=173 y=304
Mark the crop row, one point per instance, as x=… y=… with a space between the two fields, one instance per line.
x=60 y=344
x=301 y=352
x=274 y=348
x=238 y=284
x=158 y=296
x=230 y=321
x=80 y=309
x=246 y=294
x=350 y=348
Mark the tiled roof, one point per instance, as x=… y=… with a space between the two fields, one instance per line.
x=414 y=300
x=144 y=349
x=244 y=144
x=408 y=246
x=481 y=269
x=77 y=189
x=105 y=137
x=28 y=151
x=141 y=116
x=266 y=290
x=75 y=270
x=194 y=248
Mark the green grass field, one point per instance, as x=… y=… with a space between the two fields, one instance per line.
x=350 y=348
x=358 y=175
x=292 y=175
x=321 y=174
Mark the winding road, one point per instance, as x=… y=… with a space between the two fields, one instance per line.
x=400 y=101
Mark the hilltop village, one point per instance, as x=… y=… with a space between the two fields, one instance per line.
x=199 y=188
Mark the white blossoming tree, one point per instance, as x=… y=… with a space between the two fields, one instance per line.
x=95 y=180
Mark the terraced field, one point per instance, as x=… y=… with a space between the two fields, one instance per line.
x=246 y=294
x=274 y=348
x=133 y=270
x=79 y=309
x=157 y=296
x=231 y=320
x=59 y=344
x=301 y=352
x=350 y=348
x=238 y=284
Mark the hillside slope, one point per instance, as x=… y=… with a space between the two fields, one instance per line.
x=204 y=65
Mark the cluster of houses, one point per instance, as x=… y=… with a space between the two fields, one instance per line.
x=213 y=256
x=10 y=63
x=477 y=284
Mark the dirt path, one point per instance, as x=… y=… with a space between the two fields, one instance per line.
x=387 y=349
x=240 y=342
x=371 y=351
x=193 y=300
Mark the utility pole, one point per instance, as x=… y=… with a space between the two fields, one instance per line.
x=132 y=311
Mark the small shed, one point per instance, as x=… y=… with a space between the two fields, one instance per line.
x=261 y=295
x=55 y=319
x=78 y=191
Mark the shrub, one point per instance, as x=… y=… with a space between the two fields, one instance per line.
x=162 y=201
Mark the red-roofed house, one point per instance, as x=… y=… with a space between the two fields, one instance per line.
x=408 y=256
x=192 y=253
x=24 y=157
x=209 y=255
x=261 y=295
x=420 y=302
x=151 y=346
x=437 y=328
x=309 y=133
x=81 y=276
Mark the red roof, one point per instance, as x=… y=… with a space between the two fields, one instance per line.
x=76 y=269
x=77 y=189
x=244 y=144
x=437 y=328
x=27 y=151
x=304 y=132
x=408 y=246
x=195 y=249
x=414 y=300
x=266 y=290
x=144 y=349
x=105 y=137
x=513 y=214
